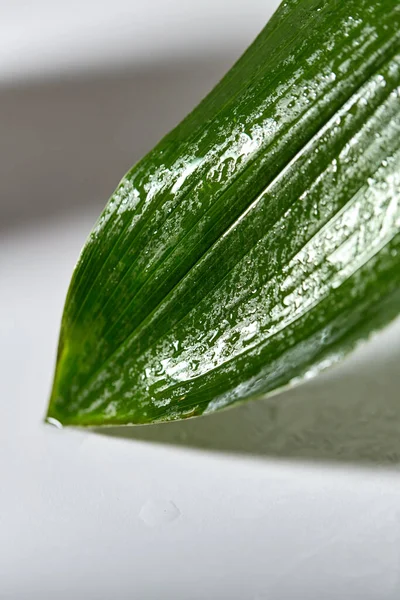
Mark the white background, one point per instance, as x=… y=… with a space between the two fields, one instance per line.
x=298 y=497
x=45 y=36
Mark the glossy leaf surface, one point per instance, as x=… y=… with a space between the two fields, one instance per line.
x=258 y=241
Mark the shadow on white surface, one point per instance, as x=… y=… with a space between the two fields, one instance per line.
x=350 y=413
x=65 y=143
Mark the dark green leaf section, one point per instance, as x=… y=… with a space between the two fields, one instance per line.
x=258 y=241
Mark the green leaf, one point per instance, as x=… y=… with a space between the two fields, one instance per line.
x=258 y=241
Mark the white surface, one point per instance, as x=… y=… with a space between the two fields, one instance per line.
x=273 y=500
x=40 y=37
x=89 y=516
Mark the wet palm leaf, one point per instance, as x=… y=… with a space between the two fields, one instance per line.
x=258 y=241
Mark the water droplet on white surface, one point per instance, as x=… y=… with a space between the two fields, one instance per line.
x=54 y=422
x=155 y=513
